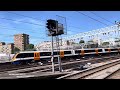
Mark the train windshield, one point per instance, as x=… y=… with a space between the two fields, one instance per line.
x=20 y=55
x=14 y=56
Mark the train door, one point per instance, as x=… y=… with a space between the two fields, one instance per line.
x=118 y=49
x=61 y=53
x=36 y=55
x=96 y=50
x=82 y=52
x=109 y=50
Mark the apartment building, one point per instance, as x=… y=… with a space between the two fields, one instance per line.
x=21 y=41
x=7 y=48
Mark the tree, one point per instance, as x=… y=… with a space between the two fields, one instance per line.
x=105 y=43
x=30 y=47
x=81 y=41
x=91 y=44
x=16 y=50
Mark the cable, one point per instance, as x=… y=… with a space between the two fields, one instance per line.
x=101 y=17
x=27 y=22
x=24 y=15
x=10 y=35
x=7 y=35
x=35 y=18
x=93 y=18
x=14 y=28
x=20 y=21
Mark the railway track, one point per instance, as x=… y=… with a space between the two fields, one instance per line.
x=114 y=74
x=47 y=67
x=92 y=72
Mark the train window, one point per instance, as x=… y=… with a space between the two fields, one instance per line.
x=77 y=51
x=114 y=49
x=45 y=53
x=99 y=50
x=21 y=55
x=107 y=49
x=31 y=54
x=88 y=51
x=28 y=55
x=67 y=52
x=55 y=53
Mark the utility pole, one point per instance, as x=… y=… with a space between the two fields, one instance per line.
x=58 y=50
x=52 y=56
x=55 y=29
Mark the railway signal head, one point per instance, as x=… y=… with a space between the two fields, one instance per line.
x=51 y=24
x=54 y=27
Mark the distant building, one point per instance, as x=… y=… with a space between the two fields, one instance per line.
x=46 y=45
x=21 y=41
x=2 y=43
x=8 y=48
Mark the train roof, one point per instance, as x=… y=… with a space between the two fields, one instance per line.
x=66 y=50
x=94 y=48
x=39 y=51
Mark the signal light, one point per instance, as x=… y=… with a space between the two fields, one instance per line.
x=54 y=28
x=51 y=24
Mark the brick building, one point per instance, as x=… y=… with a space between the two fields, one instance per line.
x=6 y=48
x=21 y=41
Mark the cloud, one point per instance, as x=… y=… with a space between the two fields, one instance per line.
x=33 y=24
x=30 y=20
x=39 y=30
x=17 y=21
x=7 y=28
x=69 y=32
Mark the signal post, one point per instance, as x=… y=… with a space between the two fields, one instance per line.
x=54 y=29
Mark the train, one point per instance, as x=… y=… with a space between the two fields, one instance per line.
x=45 y=56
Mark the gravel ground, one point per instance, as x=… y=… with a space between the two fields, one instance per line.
x=115 y=75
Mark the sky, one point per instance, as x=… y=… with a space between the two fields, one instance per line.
x=34 y=23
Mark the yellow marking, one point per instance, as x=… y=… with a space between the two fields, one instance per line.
x=82 y=52
x=14 y=58
x=36 y=55
x=61 y=53
x=109 y=50
x=118 y=49
x=96 y=50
